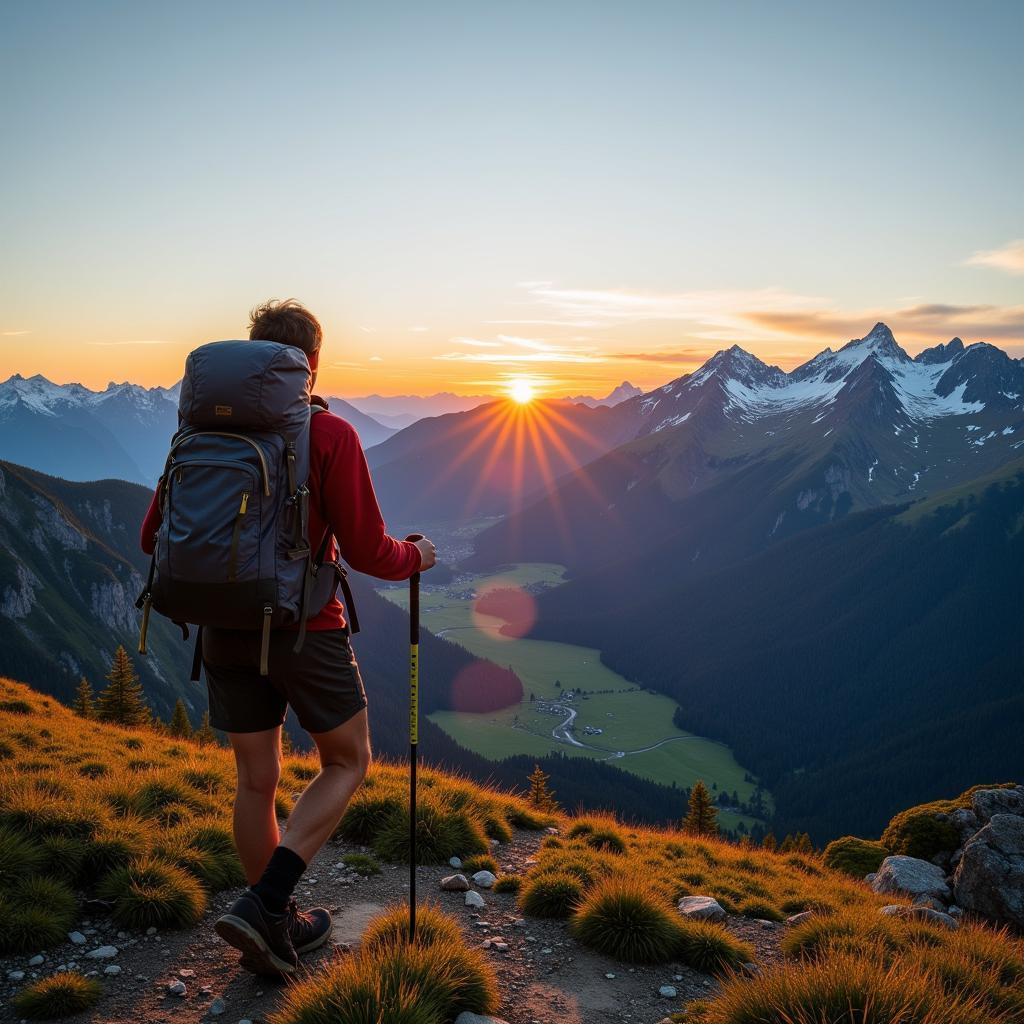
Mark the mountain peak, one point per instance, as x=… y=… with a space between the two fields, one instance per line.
x=940 y=353
x=880 y=340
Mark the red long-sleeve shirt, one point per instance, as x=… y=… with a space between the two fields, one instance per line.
x=341 y=493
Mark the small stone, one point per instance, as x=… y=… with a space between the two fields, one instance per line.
x=701 y=908
x=186 y=972
x=794 y=919
x=475 y=1018
x=519 y=922
x=667 y=991
x=151 y=930
x=15 y=975
x=547 y=949
x=36 y=960
x=111 y=969
x=77 y=938
x=455 y=862
x=474 y=899
x=218 y=1006
x=177 y=988
x=454 y=883
x=485 y=879
x=501 y=947
x=766 y=925
x=610 y=976
x=102 y=952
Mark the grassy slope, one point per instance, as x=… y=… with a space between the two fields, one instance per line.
x=630 y=716
x=75 y=794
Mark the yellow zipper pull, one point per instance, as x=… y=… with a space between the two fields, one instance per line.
x=245 y=503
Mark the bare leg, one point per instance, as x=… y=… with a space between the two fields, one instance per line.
x=258 y=759
x=344 y=758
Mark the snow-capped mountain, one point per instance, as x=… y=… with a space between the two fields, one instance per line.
x=619 y=394
x=71 y=431
x=765 y=453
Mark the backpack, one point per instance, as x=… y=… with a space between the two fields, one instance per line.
x=233 y=548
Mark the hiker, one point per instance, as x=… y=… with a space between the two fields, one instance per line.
x=251 y=683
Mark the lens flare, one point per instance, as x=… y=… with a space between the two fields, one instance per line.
x=505 y=611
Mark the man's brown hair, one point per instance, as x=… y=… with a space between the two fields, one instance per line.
x=287 y=322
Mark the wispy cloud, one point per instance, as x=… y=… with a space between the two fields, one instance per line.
x=13 y=334
x=477 y=342
x=679 y=356
x=418 y=329
x=1008 y=258
x=376 y=359
x=507 y=350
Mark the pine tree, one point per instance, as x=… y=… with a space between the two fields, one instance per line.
x=540 y=796
x=180 y=725
x=769 y=842
x=205 y=734
x=702 y=817
x=123 y=701
x=803 y=843
x=287 y=747
x=84 y=704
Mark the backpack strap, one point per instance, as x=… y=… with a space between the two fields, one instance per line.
x=197 y=655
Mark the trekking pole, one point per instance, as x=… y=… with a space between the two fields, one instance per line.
x=414 y=730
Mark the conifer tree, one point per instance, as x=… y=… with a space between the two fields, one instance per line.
x=702 y=816
x=769 y=842
x=540 y=796
x=84 y=704
x=123 y=701
x=287 y=747
x=180 y=725
x=205 y=734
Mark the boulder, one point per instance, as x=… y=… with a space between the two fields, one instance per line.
x=965 y=820
x=912 y=876
x=703 y=908
x=990 y=876
x=989 y=802
x=931 y=902
x=455 y=883
x=920 y=914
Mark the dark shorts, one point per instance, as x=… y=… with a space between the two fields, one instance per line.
x=321 y=683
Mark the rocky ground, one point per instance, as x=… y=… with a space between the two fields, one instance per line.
x=544 y=975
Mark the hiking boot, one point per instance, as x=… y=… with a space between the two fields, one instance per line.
x=309 y=929
x=265 y=939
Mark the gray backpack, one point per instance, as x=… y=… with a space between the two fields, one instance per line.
x=233 y=548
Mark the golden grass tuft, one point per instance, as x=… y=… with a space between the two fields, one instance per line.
x=59 y=995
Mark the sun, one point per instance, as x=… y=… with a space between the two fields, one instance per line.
x=521 y=390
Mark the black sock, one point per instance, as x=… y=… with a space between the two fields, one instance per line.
x=281 y=875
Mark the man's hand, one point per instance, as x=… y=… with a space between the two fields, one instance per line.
x=428 y=553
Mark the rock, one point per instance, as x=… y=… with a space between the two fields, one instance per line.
x=987 y=803
x=77 y=938
x=151 y=930
x=186 y=972
x=245 y=1020
x=667 y=991
x=870 y=877
x=102 y=952
x=964 y=819
x=36 y=960
x=475 y=1018
x=218 y=1006
x=454 y=883
x=177 y=988
x=609 y=976
x=930 y=901
x=794 y=919
x=703 y=908
x=455 y=862
x=485 y=879
x=920 y=914
x=955 y=912
x=15 y=975
x=990 y=876
x=912 y=876
x=474 y=899
x=111 y=969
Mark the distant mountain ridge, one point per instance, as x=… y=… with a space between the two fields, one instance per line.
x=122 y=432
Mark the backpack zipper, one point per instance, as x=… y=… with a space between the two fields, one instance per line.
x=265 y=641
x=235 y=535
x=239 y=437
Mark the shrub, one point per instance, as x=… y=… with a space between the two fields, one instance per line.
x=442 y=832
x=19 y=856
x=497 y=828
x=856 y=857
x=35 y=913
x=521 y=817
x=60 y=995
x=392 y=927
x=367 y=812
x=115 y=844
x=397 y=983
x=16 y=707
x=507 y=883
x=361 y=864
x=480 y=862
x=551 y=895
x=622 y=920
x=710 y=948
x=820 y=936
x=844 y=989
x=150 y=891
x=916 y=831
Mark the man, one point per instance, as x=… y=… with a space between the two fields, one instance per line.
x=321 y=683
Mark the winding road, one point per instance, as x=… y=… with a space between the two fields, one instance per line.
x=562 y=733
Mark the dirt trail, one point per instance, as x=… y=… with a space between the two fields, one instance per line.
x=544 y=976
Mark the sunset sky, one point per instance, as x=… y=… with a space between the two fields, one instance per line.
x=577 y=192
